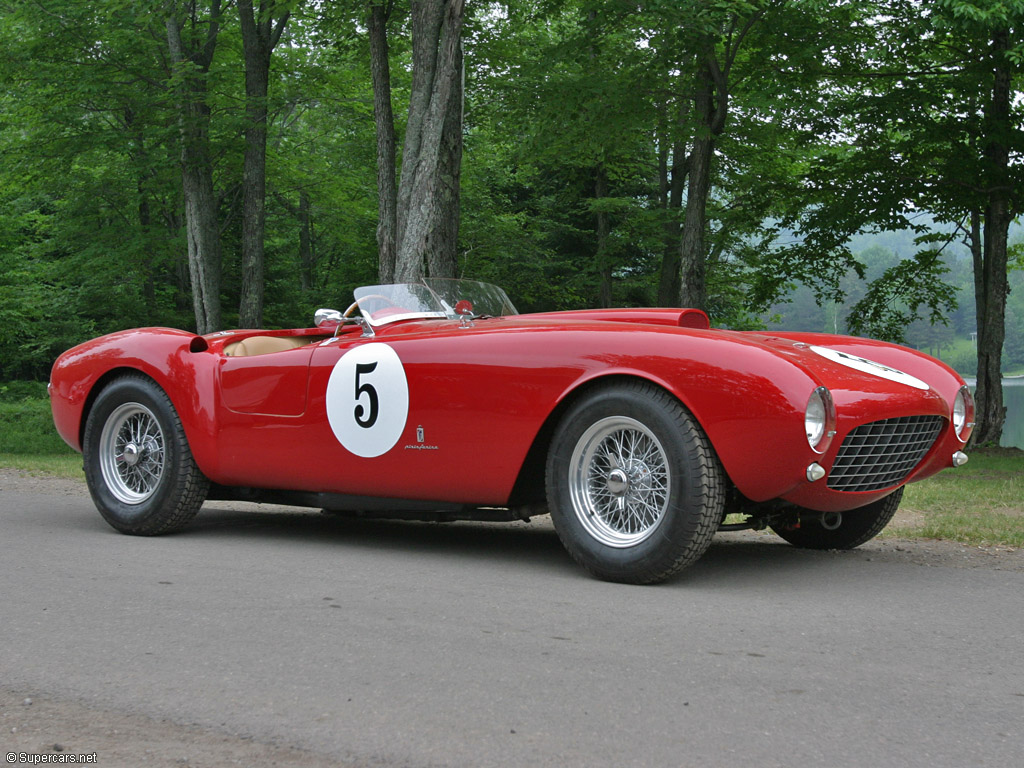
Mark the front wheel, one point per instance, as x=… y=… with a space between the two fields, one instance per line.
x=634 y=487
x=138 y=464
x=855 y=527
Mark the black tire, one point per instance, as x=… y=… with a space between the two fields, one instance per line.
x=138 y=463
x=634 y=487
x=857 y=526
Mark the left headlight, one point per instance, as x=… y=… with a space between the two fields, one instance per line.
x=820 y=420
x=963 y=414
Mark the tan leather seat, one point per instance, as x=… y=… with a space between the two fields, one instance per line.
x=263 y=345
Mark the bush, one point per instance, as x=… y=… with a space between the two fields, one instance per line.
x=16 y=391
x=26 y=426
x=963 y=361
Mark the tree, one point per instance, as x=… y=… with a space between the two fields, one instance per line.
x=419 y=219
x=384 y=120
x=192 y=40
x=930 y=108
x=261 y=31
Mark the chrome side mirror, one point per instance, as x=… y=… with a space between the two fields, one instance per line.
x=328 y=319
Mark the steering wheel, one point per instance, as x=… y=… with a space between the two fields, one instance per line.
x=352 y=308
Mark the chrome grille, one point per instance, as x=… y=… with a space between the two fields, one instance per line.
x=881 y=454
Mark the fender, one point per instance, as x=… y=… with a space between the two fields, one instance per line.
x=177 y=361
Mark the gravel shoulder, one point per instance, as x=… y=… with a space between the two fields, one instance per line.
x=34 y=725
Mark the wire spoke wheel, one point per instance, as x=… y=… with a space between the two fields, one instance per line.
x=132 y=453
x=619 y=481
x=634 y=487
x=138 y=463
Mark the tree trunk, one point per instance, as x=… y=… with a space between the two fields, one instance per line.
x=710 y=110
x=428 y=189
x=693 y=289
x=140 y=157
x=201 y=224
x=991 y=313
x=670 y=284
x=442 y=256
x=603 y=226
x=383 y=117
x=260 y=33
x=307 y=255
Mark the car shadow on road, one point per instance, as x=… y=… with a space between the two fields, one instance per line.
x=732 y=559
x=533 y=542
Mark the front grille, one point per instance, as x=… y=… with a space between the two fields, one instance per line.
x=881 y=454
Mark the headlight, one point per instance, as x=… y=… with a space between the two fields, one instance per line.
x=820 y=419
x=963 y=414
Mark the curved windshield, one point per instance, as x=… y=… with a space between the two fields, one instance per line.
x=433 y=298
x=482 y=298
x=382 y=304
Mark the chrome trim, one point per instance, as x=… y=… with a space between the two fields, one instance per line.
x=815 y=472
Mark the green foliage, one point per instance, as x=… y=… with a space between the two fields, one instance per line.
x=843 y=118
x=26 y=425
x=892 y=302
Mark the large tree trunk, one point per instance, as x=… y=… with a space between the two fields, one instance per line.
x=711 y=106
x=442 y=251
x=670 y=284
x=260 y=33
x=192 y=58
x=993 y=289
x=672 y=177
x=428 y=194
x=383 y=117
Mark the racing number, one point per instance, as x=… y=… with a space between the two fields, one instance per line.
x=368 y=399
x=370 y=392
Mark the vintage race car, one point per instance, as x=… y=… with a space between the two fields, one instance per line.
x=641 y=431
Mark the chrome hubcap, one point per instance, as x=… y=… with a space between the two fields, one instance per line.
x=131 y=452
x=619 y=481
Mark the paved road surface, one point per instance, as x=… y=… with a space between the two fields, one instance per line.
x=395 y=644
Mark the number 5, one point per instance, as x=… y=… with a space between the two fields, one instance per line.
x=370 y=392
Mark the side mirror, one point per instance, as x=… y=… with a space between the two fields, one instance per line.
x=328 y=319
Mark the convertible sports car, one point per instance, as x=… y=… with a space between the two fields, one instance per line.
x=642 y=431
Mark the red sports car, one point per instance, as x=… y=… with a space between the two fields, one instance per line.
x=639 y=430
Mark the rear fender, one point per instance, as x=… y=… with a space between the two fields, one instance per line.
x=178 y=362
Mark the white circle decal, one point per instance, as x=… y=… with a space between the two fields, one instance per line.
x=368 y=400
x=870 y=366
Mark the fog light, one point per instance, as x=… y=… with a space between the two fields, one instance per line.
x=816 y=471
x=959 y=459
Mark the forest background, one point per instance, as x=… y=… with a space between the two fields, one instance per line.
x=837 y=166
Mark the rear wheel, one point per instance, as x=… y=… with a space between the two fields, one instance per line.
x=855 y=527
x=138 y=464
x=634 y=487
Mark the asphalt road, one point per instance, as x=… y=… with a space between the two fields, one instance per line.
x=402 y=644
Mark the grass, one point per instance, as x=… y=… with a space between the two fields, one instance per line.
x=981 y=503
x=55 y=466
x=26 y=424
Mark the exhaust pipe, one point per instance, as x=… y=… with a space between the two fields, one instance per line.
x=831 y=520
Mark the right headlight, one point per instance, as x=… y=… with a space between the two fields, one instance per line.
x=820 y=420
x=963 y=414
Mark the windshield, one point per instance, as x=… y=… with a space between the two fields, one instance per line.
x=432 y=298
x=483 y=298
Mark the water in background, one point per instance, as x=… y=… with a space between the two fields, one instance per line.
x=1013 y=399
